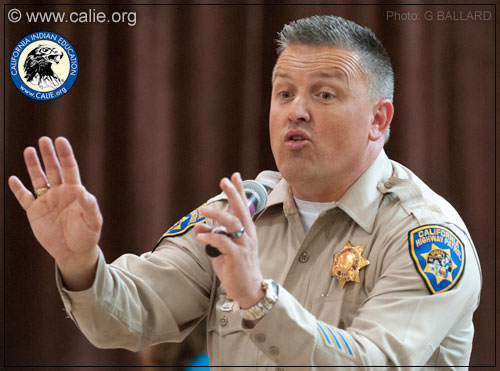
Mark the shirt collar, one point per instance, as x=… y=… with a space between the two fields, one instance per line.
x=361 y=201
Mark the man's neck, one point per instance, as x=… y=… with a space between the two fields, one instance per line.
x=332 y=189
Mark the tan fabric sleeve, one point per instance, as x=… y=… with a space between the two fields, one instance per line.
x=139 y=301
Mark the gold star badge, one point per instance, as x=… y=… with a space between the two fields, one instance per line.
x=347 y=263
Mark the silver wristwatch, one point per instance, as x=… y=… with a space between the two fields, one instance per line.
x=265 y=305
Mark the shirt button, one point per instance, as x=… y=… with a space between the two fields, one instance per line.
x=274 y=350
x=223 y=321
x=260 y=338
x=303 y=257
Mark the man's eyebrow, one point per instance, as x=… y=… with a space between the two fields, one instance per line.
x=331 y=75
x=282 y=75
x=320 y=74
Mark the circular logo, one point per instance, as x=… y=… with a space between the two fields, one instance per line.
x=44 y=65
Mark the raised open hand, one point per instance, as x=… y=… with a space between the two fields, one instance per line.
x=65 y=218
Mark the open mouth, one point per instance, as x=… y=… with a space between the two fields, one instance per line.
x=296 y=138
x=296 y=135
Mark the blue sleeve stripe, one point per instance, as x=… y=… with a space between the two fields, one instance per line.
x=336 y=340
x=347 y=345
x=324 y=333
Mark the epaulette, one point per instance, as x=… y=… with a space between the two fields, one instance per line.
x=409 y=195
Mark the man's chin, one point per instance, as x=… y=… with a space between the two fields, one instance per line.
x=296 y=173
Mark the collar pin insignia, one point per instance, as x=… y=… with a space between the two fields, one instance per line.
x=347 y=263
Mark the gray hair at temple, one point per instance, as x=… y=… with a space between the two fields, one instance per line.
x=330 y=30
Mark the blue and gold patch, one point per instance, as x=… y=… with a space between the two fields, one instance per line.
x=183 y=225
x=439 y=256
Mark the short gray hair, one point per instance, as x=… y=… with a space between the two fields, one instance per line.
x=333 y=31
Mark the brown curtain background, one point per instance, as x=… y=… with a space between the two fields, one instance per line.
x=162 y=110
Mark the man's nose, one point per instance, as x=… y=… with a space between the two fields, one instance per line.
x=299 y=110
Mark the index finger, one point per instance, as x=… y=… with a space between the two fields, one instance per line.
x=238 y=184
x=69 y=166
x=237 y=199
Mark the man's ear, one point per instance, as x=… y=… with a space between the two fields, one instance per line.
x=382 y=117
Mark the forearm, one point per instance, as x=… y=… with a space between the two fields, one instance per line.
x=138 y=301
x=110 y=313
x=289 y=321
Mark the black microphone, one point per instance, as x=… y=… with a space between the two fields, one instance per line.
x=256 y=200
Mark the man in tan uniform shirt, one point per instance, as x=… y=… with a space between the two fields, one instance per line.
x=386 y=275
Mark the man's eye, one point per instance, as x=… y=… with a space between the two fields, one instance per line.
x=327 y=95
x=285 y=94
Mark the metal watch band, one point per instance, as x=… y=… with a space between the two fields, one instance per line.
x=265 y=305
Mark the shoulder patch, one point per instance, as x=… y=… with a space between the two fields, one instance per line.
x=183 y=225
x=439 y=256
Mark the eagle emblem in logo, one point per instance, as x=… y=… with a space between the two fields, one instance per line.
x=38 y=66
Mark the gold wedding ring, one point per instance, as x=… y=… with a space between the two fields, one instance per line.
x=42 y=190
